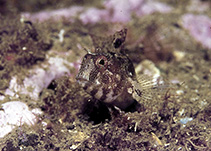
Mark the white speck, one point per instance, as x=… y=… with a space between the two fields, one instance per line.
x=196 y=77
x=175 y=81
x=73 y=147
x=130 y=73
x=97 y=82
x=24 y=48
x=179 y=92
x=22 y=19
x=44 y=124
x=2 y=97
x=179 y=55
x=61 y=35
x=203 y=103
x=119 y=78
x=186 y=120
x=130 y=90
x=166 y=144
x=181 y=112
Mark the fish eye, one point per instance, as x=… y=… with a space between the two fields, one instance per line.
x=101 y=61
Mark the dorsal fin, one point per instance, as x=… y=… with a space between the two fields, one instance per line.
x=112 y=43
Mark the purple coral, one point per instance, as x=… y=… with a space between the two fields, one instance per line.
x=199 y=27
x=114 y=11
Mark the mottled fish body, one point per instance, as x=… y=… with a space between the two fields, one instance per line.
x=109 y=75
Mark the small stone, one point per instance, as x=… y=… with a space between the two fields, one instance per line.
x=178 y=55
x=148 y=67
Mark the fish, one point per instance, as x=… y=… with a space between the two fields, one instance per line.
x=108 y=75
